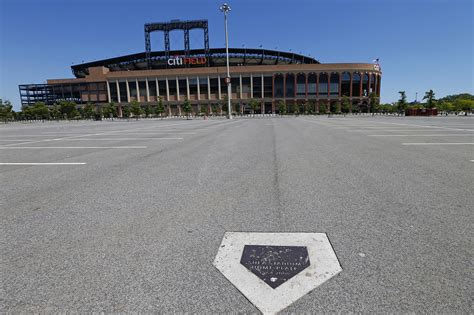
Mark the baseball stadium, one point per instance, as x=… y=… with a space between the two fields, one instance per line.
x=199 y=76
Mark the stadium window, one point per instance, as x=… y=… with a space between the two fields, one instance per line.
x=257 y=86
x=278 y=89
x=192 y=86
x=312 y=85
x=214 y=85
x=301 y=85
x=267 y=87
x=323 y=84
x=372 y=83
x=113 y=92
x=334 y=84
x=172 y=86
x=346 y=84
x=365 y=85
x=290 y=85
x=152 y=88
x=142 y=89
x=245 y=84
x=123 y=91
x=183 y=90
x=162 y=88
x=133 y=90
x=356 y=84
x=235 y=85
x=203 y=85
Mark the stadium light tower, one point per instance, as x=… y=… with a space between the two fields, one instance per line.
x=225 y=8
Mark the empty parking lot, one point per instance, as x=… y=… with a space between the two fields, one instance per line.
x=128 y=215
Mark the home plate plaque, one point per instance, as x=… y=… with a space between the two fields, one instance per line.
x=273 y=270
x=275 y=264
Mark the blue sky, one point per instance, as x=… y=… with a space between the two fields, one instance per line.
x=422 y=44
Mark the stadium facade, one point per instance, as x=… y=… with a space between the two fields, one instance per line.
x=199 y=75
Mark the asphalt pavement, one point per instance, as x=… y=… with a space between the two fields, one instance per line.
x=134 y=222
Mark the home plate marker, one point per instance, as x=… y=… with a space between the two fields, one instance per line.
x=273 y=270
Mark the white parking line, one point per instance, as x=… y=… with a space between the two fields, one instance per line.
x=438 y=143
x=119 y=139
x=122 y=147
x=72 y=163
x=14 y=140
x=434 y=135
x=420 y=126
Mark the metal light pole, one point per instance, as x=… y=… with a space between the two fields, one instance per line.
x=226 y=8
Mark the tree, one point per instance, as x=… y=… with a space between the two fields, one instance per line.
x=310 y=107
x=160 y=109
x=345 y=104
x=430 y=99
x=135 y=109
x=148 y=110
x=254 y=105
x=203 y=110
x=374 y=103
x=215 y=109
x=126 y=110
x=39 y=111
x=295 y=108
x=282 y=107
x=237 y=108
x=402 y=102
x=88 y=111
x=186 y=107
x=5 y=110
x=110 y=110
x=68 y=109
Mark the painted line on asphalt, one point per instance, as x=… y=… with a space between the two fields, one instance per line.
x=15 y=140
x=28 y=163
x=118 y=139
x=120 y=147
x=402 y=130
x=471 y=160
x=434 y=135
x=421 y=126
x=438 y=143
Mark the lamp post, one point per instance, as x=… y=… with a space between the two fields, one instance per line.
x=225 y=8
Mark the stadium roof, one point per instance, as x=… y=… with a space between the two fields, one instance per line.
x=216 y=58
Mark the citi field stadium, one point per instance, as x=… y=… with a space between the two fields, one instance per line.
x=199 y=75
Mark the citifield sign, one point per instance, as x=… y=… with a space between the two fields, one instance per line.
x=179 y=61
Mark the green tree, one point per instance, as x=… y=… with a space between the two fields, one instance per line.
x=374 y=103
x=430 y=99
x=237 y=108
x=148 y=111
x=135 y=109
x=295 y=108
x=68 y=109
x=402 y=102
x=40 y=111
x=464 y=105
x=110 y=110
x=203 y=110
x=186 y=107
x=310 y=107
x=89 y=111
x=215 y=109
x=5 y=110
x=345 y=104
x=126 y=111
x=282 y=107
x=254 y=105
x=160 y=108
